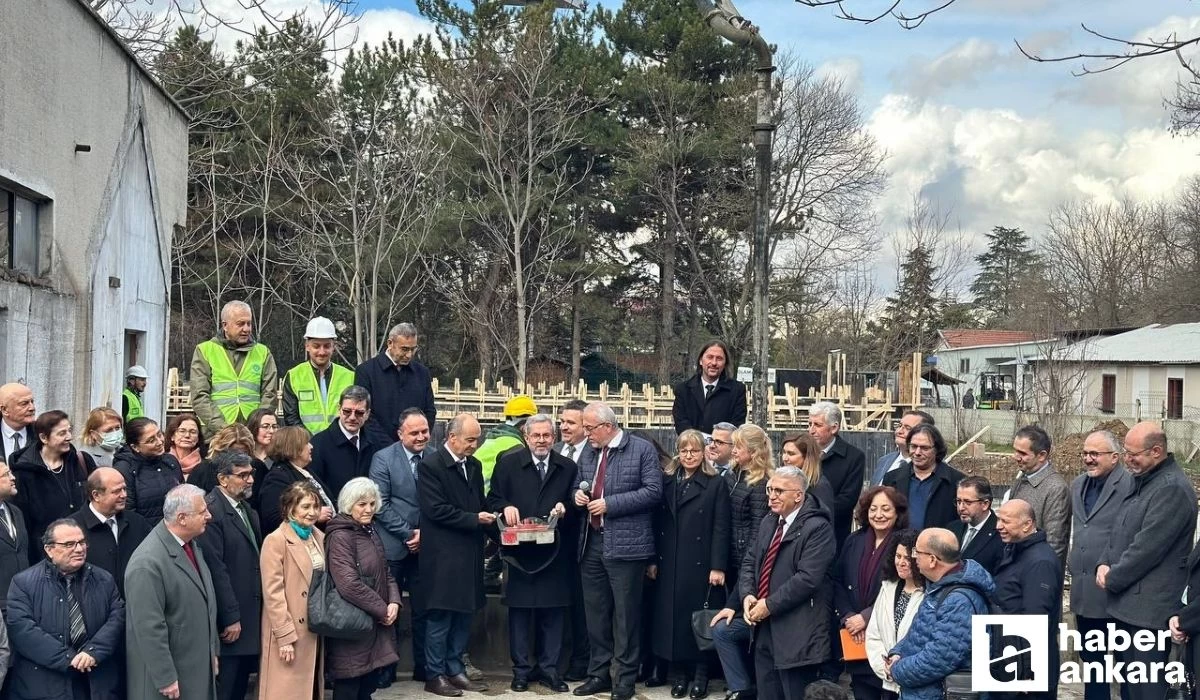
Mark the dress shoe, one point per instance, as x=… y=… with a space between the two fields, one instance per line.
x=748 y=694
x=679 y=689
x=551 y=680
x=592 y=686
x=699 y=690
x=622 y=694
x=471 y=672
x=461 y=681
x=576 y=674
x=657 y=678
x=440 y=685
x=519 y=685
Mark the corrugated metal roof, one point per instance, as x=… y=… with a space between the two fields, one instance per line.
x=1173 y=343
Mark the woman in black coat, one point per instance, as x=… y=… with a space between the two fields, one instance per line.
x=1186 y=624
x=291 y=454
x=881 y=512
x=149 y=472
x=692 y=527
x=51 y=477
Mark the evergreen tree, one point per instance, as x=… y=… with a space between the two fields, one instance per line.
x=915 y=310
x=1009 y=262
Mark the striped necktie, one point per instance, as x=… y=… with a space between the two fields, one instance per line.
x=78 y=628
x=764 y=578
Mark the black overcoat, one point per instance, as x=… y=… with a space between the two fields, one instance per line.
x=232 y=558
x=451 y=566
x=516 y=483
x=14 y=552
x=103 y=551
x=336 y=460
x=691 y=538
x=692 y=411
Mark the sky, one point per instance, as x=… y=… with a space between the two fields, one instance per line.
x=969 y=124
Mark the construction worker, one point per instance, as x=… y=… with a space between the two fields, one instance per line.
x=507 y=435
x=311 y=389
x=231 y=375
x=131 y=398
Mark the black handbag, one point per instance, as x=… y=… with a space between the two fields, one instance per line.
x=329 y=615
x=702 y=625
x=1185 y=690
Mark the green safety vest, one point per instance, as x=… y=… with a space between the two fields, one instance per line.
x=498 y=440
x=135 y=405
x=235 y=395
x=303 y=380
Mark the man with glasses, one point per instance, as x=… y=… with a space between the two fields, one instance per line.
x=65 y=608
x=897 y=458
x=173 y=587
x=720 y=448
x=1096 y=499
x=344 y=450
x=1143 y=567
x=787 y=592
x=113 y=532
x=975 y=527
x=398 y=382
x=939 y=641
x=14 y=538
x=1039 y=484
x=230 y=544
x=929 y=483
x=616 y=545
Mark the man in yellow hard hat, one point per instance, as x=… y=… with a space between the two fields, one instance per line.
x=311 y=389
x=231 y=374
x=505 y=436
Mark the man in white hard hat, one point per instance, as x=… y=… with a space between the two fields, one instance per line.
x=311 y=389
x=131 y=398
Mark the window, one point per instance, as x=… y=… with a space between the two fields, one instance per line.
x=1175 y=398
x=19 y=228
x=1108 y=393
x=964 y=365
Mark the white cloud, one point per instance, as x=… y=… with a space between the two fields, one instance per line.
x=962 y=65
x=847 y=69
x=375 y=25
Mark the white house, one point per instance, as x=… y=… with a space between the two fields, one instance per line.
x=991 y=362
x=93 y=179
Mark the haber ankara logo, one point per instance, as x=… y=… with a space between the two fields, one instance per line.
x=1010 y=653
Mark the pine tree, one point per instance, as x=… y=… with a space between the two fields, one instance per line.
x=914 y=312
x=1008 y=263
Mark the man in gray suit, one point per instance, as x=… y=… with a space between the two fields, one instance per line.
x=896 y=459
x=173 y=590
x=1040 y=485
x=394 y=471
x=1096 y=498
x=1143 y=568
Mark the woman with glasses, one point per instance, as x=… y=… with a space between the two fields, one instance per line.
x=747 y=482
x=692 y=543
x=800 y=450
x=900 y=594
x=148 y=470
x=857 y=572
x=184 y=442
x=51 y=476
x=292 y=454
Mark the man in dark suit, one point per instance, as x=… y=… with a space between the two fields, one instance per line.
x=17 y=413
x=398 y=521
x=711 y=396
x=536 y=482
x=344 y=450
x=896 y=458
x=453 y=521
x=1096 y=498
x=112 y=532
x=14 y=540
x=981 y=543
x=573 y=444
x=930 y=484
x=842 y=464
x=398 y=382
x=230 y=545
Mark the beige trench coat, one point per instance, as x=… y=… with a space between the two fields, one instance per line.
x=287 y=573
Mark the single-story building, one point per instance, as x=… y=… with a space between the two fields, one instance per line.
x=93 y=180
x=991 y=362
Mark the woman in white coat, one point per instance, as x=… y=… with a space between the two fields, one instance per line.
x=900 y=595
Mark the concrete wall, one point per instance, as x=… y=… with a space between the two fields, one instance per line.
x=107 y=213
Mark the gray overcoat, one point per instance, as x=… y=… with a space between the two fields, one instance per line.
x=1092 y=532
x=170 y=622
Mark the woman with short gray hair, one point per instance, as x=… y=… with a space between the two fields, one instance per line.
x=358 y=565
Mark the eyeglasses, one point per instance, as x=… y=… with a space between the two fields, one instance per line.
x=73 y=544
x=268 y=427
x=967 y=501
x=773 y=492
x=589 y=428
x=927 y=554
x=157 y=437
x=691 y=451
x=1096 y=455
x=356 y=412
x=724 y=443
x=187 y=431
x=244 y=476
x=1137 y=453
x=406 y=349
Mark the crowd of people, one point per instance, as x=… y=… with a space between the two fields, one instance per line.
x=279 y=545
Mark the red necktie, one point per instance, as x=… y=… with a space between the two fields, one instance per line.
x=598 y=487
x=191 y=555
x=764 y=578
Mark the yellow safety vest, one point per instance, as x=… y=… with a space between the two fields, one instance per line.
x=235 y=395
x=135 y=405
x=303 y=380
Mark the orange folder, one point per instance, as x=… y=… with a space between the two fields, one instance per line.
x=852 y=650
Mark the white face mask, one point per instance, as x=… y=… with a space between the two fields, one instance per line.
x=112 y=439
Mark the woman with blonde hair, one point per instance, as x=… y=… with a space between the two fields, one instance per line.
x=102 y=435
x=800 y=450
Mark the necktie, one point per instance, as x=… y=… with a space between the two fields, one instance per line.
x=78 y=628
x=463 y=465
x=16 y=443
x=541 y=467
x=967 y=537
x=768 y=565
x=191 y=555
x=708 y=390
x=242 y=511
x=569 y=453
x=8 y=522
x=324 y=391
x=598 y=488
x=415 y=462
x=112 y=525
x=354 y=441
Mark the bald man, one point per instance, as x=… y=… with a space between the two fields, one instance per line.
x=1029 y=580
x=17 y=412
x=231 y=374
x=111 y=531
x=1142 y=568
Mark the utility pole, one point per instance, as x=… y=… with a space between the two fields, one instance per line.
x=727 y=22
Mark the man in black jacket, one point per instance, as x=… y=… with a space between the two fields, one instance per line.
x=230 y=545
x=1029 y=580
x=975 y=527
x=843 y=464
x=928 y=482
x=14 y=539
x=343 y=451
x=710 y=396
x=112 y=532
x=398 y=382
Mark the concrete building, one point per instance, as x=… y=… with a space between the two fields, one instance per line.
x=992 y=362
x=93 y=180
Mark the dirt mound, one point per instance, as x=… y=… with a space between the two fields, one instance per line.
x=1065 y=457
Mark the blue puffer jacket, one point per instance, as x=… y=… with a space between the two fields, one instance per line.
x=633 y=479
x=939 y=641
